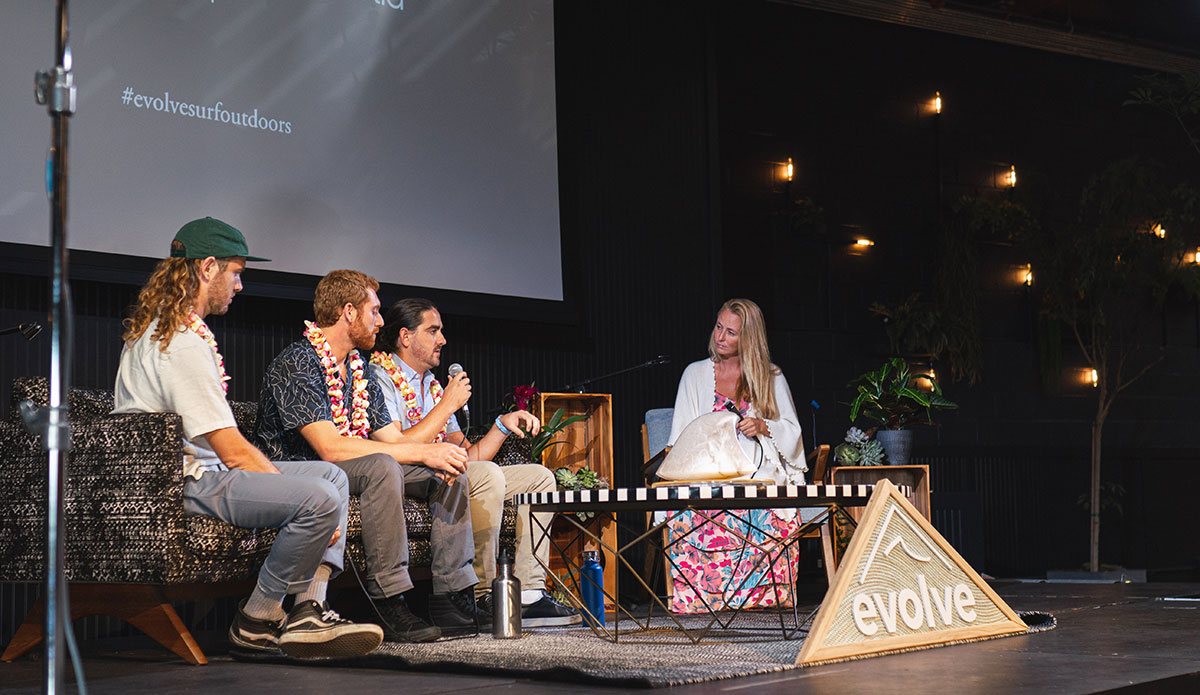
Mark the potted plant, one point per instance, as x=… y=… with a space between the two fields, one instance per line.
x=858 y=449
x=889 y=397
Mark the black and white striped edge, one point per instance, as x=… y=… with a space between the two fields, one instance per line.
x=701 y=492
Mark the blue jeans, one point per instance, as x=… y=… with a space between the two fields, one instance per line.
x=306 y=503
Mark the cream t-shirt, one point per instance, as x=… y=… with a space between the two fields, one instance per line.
x=185 y=380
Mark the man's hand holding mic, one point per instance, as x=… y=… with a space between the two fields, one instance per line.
x=458 y=388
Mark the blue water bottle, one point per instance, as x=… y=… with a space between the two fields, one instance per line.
x=591 y=587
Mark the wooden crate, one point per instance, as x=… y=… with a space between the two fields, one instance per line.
x=590 y=444
x=914 y=476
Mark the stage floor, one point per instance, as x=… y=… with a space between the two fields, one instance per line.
x=1129 y=638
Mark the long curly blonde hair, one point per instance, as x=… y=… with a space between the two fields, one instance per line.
x=757 y=382
x=168 y=296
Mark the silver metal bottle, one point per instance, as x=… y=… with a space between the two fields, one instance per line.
x=506 y=598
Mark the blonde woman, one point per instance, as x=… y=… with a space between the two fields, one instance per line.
x=712 y=565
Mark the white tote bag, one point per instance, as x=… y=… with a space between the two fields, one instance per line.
x=707 y=449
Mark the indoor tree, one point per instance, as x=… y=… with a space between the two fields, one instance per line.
x=1106 y=277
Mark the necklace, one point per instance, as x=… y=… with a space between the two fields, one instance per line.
x=356 y=423
x=409 y=396
x=201 y=329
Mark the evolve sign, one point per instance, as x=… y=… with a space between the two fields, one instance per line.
x=901 y=586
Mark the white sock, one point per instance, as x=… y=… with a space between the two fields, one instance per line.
x=318 y=587
x=530 y=596
x=263 y=607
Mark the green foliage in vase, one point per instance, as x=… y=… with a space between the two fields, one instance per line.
x=887 y=396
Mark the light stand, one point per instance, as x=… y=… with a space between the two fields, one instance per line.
x=56 y=90
x=579 y=386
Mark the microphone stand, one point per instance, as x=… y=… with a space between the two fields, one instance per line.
x=56 y=90
x=578 y=386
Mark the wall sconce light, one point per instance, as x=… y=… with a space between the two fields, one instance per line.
x=1027 y=278
x=937 y=102
x=1158 y=231
x=925 y=382
x=1192 y=256
x=788 y=171
x=1010 y=178
x=1093 y=377
x=863 y=243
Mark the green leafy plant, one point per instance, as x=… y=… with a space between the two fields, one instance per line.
x=582 y=479
x=550 y=429
x=859 y=450
x=888 y=396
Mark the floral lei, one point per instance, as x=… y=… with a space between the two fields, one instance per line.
x=357 y=424
x=415 y=415
x=201 y=329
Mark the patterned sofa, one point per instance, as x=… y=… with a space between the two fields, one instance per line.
x=130 y=549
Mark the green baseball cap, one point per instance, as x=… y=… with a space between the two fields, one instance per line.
x=210 y=237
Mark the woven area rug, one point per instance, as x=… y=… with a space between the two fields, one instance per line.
x=649 y=660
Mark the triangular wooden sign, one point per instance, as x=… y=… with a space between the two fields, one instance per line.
x=902 y=586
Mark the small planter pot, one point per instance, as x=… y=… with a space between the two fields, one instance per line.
x=897 y=444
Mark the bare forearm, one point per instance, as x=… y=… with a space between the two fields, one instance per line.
x=486 y=448
x=237 y=453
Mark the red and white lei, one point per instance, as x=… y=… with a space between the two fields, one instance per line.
x=357 y=424
x=409 y=396
x=197 y=325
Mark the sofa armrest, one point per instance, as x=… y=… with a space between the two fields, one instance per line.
x=122 y=499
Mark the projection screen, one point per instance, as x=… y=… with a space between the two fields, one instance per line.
x=414 y=140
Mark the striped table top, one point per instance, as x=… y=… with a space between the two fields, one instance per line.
x=700 y=496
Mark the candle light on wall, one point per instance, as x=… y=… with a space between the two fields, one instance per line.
x=1027 y=276
x=1093 y=377
x=863 y=243
x=1010 y=179
x=1158 y=231
x=789 y=169
x=937 y=102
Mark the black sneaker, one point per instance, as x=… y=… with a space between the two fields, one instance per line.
x=456 y=614
x=484 y=603
x=548 y=612
x=399 y=623
x=255 y=634
x=313 y=629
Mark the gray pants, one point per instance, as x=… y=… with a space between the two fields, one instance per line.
x=306 y=504
x=381 y=484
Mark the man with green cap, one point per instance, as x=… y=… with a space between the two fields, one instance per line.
x=171 y=363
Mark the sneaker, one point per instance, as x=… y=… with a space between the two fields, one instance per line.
x=456 y=614
x=255 y=634
x=484 y=603
x=399 y=623
x=313 y=629
x=548 y=612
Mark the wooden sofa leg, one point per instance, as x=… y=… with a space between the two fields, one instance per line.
x=140 y=605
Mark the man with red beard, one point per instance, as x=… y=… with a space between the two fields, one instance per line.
x=318 y=402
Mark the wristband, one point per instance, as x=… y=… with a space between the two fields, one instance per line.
x=503 y=429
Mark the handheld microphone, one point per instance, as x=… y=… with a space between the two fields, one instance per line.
x=455 y=370
x=733 y=409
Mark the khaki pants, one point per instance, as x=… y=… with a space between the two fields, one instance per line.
x=490 y=486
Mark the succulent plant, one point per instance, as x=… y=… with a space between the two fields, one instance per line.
x=859 y=450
